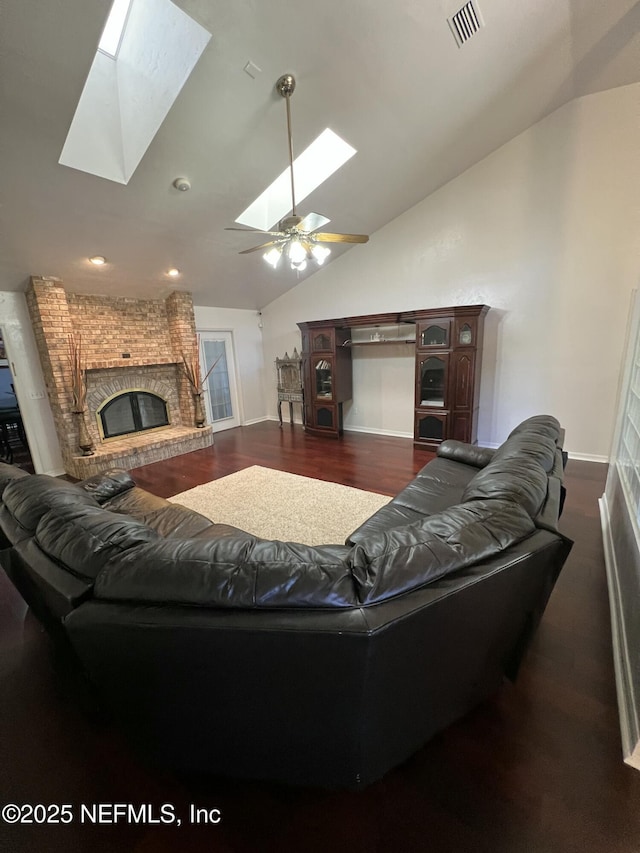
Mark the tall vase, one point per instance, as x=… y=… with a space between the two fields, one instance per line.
x=199 y=415
x=84 y=439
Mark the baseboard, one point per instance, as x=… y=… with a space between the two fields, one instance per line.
x=587 y=457
x=285 y=421
x=55 y=472
x=627 y=710
x=366 y=430
x=372 y=431
x=580 y=457
x=258 y=420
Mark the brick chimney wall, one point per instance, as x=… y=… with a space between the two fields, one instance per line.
x=150 y=332
x=112 y=327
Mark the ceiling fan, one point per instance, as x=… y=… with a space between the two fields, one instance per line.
x=297 y=237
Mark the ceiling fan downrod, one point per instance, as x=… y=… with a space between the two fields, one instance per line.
x=285 y=86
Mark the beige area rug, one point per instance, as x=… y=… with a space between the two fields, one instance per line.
x=276 y=505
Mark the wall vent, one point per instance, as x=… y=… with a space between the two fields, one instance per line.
x=465 y=23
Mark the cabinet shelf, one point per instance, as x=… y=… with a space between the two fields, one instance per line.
x=378 y=343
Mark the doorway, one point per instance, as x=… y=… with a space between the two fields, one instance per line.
x=14 y=448
x=220 y=388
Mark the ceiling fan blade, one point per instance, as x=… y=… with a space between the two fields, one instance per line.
x=252 y=230
x=326 y=237
x=261 y=246
x=313 y=221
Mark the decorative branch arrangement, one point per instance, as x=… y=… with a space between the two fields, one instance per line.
x=79 y=392
x=78 y=373
x=191 y=368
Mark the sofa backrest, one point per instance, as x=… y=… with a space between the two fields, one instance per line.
x=540 y=425
x=230 y=572
x=521 y=466
x=516 y=479
x=84 y=539
x=27 y=499
x=403 y=558
x=9 y=473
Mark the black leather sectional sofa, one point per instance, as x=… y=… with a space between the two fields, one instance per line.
x=224 y=653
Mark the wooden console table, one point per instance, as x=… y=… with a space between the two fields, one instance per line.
x=290 y=389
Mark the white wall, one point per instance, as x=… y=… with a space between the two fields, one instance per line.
x=247 y=340
x=546 y=231
x=29 y=381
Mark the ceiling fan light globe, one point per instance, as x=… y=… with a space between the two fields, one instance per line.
x=320 y=253
x=273 y=256
x=300 y=265
x=296 y=252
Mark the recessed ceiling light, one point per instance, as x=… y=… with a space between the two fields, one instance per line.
x=98 y=260
x=173 y=272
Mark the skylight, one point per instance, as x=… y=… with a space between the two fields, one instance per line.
x=319 y=161
x=114 y=28
x=148 y=50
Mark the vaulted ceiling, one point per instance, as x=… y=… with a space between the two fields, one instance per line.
x=388 y=77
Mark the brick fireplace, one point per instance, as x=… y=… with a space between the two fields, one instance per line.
x=128 y=344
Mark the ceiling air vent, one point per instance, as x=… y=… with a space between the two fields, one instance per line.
x=465 y=23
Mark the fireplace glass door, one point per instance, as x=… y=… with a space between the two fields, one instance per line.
x=133 y=411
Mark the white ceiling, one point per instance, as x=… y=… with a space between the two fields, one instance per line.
x=386 y=76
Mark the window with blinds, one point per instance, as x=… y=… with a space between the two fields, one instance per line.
x=627 y=449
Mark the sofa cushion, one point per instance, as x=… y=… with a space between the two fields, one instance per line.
x=391 y=515
x=167 y=519
x=540 y=425
x=216 y=530
x=541 y=449
x=452 y=476
x=438 y=485
x=82 y=539
x=468 y=454
x=511 y=478
x=230 y=572
x=29 y=498
x=137 y=503
x=108 y=484
x=178 y=522
x=405 y=558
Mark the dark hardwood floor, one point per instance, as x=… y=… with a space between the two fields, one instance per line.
x=536 y=769
x=374 y=463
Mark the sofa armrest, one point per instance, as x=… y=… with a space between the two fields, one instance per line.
x=468 y=454
x=106 y=485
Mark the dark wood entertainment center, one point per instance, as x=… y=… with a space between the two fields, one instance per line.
x=448 y=357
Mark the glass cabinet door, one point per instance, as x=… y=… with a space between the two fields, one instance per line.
x=465 y=335
x=323 y=341
x=323 y=371
x=433 y=334
x=432 y=381
x=465 y=332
